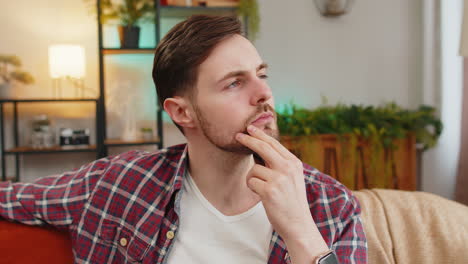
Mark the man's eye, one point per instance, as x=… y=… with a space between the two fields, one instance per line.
x=263 y=76
x=234 y=84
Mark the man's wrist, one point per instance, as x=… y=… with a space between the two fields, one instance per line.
x=328 y=257
x=307 y=249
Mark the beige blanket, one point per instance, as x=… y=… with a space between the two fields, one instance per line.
x=413 y=227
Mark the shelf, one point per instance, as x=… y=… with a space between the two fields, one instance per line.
x=9 y=178
x=42 y=100
x=54 y=149
x=114 y=51
x=186 y=11
x=122 y=143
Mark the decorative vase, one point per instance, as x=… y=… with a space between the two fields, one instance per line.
x=42 y=135
x=333 y=8
x=130 y=130
x=129 y=36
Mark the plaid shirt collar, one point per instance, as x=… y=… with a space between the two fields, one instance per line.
x=277 y=247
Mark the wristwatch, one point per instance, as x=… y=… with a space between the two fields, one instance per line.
x=328 y=257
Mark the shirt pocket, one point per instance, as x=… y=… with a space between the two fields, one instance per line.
x=129 y=248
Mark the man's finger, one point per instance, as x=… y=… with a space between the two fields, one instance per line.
x=257 y=186
x=261 y=172
x=263 y=149
x=260 y=134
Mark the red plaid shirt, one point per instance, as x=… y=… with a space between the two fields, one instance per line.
x=120 y=209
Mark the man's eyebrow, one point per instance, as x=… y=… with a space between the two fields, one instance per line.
x=240 y=73
x=262 y=66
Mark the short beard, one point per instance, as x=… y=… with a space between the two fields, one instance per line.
x=210 y=132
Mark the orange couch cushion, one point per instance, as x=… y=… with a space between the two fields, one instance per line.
x=21 y=243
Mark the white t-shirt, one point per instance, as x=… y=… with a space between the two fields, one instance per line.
x=205 y=235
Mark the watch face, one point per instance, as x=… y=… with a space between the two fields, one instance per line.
x=329 y=259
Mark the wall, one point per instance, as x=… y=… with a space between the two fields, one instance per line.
x=440 y=163
x=29 y=27
x=370 y=56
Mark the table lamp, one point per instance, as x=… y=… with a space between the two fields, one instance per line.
x=67 y=62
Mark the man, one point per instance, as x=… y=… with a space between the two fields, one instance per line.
x=232 y=194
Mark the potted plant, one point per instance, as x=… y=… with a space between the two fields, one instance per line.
x=245 y=8
x=129 y=13
x=10 y=72
x=249 y=9
x=362 y=146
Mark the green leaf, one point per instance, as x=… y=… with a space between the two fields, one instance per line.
x=384 y=124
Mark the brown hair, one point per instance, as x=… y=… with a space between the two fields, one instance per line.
x=184 y=48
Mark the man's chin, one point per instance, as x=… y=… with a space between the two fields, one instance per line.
x=237 y=148
x=274 y=133
x=267 y=129
x=241 y=149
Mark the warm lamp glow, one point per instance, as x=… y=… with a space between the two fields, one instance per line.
x=66 y=61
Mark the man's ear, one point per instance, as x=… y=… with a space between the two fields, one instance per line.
x=178 y=109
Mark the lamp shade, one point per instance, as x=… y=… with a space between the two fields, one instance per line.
x=66 y=61
x=464 y=33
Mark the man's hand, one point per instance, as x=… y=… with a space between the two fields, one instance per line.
x=280 y=185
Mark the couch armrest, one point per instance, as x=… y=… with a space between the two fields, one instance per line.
x=413 y=227
x=21 y=243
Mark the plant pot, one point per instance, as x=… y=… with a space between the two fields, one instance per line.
x=129 y=36
x=358 y=164
x=333 y=8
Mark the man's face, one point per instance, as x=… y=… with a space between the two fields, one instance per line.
x=232 y=93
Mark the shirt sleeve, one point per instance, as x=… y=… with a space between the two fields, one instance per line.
x=350 y=242
x=56 y=200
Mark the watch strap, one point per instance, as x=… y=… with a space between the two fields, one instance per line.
x=328 y=257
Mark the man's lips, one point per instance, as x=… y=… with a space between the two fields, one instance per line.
x=263 y=119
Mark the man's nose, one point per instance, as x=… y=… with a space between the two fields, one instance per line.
x=261 y=92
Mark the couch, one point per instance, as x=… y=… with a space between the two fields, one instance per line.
x=401 y=227
x=413 y=227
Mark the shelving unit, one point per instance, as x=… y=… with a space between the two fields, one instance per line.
x=102 y=137
x=101 y=148
x=110 y=51
x=162 y=12
x=18 y=150
x=185 y=11
x=54 y=149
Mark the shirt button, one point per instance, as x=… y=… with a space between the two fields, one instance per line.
x=170 y=234
x=123 y=241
